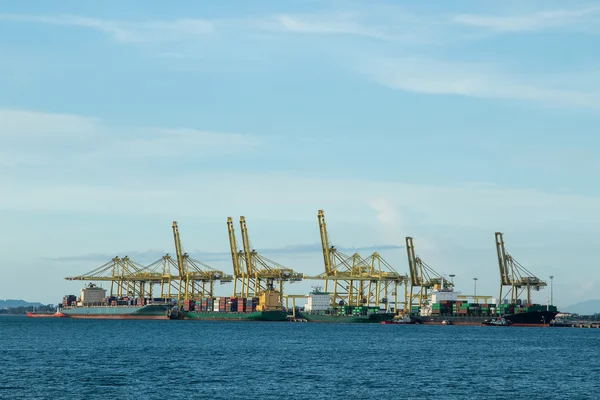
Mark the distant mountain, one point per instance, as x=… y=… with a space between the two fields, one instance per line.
x=588 y=307
x=8 y=303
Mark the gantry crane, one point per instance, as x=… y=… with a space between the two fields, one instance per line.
x=240 y=278
x=195 y=279
x=262 y=278
x=121 y=273
x=200 y=277
x=185 y=277
x=384 y=283
x=422 y=276
x=356 y=281
x=514 y=275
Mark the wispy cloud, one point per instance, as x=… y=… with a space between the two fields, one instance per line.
x=315 y=24
x=342 y=24
x=584 y=18
x=377 y=24
x=263 y=197
x=126 y=31
x=389 y=23
x=421 y=75
x=30 y=137
x=156 y=143
x=18 y=123
x=148 y=256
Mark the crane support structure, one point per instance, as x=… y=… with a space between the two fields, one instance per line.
x=183 y=278
x=356 y=281
x=422 y=276
x=196 y=279
x=513 y=274
x=125 y=277
x=261 y=277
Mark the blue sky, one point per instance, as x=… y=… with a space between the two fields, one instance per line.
x=444 y=121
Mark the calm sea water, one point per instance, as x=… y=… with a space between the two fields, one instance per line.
x=93 y=359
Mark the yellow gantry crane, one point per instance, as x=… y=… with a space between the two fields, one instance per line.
x=240 y=278
x=384 y=283
x=422 y=276
x=200 y=277
x=262 y=277
x=122 y=273
x=355 y=281
x=184 y=278
x=514 y=275
x=195 y=279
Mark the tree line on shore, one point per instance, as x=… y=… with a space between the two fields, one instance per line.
x=25 y=309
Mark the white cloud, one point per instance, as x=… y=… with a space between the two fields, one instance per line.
x=35 y=138
x=385 y=24
x=335 y=24
x=376 y=22
x=479 y=80
x=381 y=24
x=20 y=123
x=268 y=195
x=174 y=143
x=578 y=18
x=389 y=219
x=126 y=31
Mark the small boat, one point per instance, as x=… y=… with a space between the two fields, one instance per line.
x=446 y=322
x=34 y=314
x=497 y=322
x=403 y=321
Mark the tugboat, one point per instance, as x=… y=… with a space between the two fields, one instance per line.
x=404 y=321
x=497 y=322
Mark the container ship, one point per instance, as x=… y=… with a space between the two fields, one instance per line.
x=93 y=303
x=266 y=307
x=444 y=305
x=318 y=309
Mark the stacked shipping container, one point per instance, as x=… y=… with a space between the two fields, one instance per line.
x=223 y=304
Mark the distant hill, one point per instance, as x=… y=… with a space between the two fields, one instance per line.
x=8 y=303
x=588 y=307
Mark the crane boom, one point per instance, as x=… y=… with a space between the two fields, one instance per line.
x=233 y=247
x=234 y=256
x=324 y=243
x=412 y=262
x=502 y=261
x=246 y=245
x=180 y=265
x=513 y=274
x=178 y=249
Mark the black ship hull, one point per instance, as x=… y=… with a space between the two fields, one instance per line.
x=531 y=318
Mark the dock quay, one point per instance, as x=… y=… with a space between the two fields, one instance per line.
x=576 y=324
